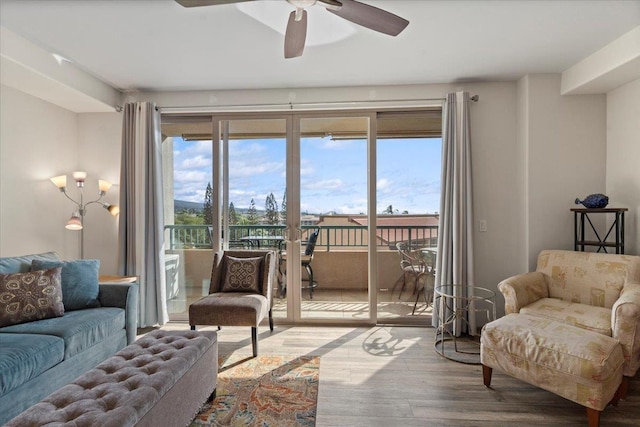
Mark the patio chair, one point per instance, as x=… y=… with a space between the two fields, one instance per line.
x=412 y=266
x=305 y=260
x=240 y=293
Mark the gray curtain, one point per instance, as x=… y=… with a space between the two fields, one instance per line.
x=454 y=263
x=141 y=241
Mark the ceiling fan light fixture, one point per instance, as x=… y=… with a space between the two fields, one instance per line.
x=301 y=4
x=354 y=11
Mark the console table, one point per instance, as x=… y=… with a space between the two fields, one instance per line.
x=617 y=226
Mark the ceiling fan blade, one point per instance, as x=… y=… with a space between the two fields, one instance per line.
x=371 y=17
x=198 y=3
x=296 y=34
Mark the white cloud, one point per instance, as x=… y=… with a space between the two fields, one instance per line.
x=240 y=169
x=327 y=184
x=195 y=162
x=384 y=185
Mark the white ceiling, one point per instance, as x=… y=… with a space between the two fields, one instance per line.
x=157 y=45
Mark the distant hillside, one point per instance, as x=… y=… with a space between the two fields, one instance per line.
x=182 y=205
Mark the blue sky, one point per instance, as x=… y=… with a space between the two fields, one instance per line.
x=333 y=174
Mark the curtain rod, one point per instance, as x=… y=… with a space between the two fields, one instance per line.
x=292 y=105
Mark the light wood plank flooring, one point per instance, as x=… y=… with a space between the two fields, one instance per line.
x=390 y=376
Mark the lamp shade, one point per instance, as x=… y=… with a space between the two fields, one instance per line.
x=60 y=181
x=74 y=223
x=113 y=209
x=79 y=176
x=104 y=185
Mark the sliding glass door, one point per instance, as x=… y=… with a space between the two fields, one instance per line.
x=333 y=208
x=317 y=188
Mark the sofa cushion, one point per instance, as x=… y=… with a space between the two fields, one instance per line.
x=22 y=264
x=25 y=297
x=80 y=282
x=596 y=319
x=80 y=329
x=25 y=356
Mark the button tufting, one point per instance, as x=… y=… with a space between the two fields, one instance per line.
x=129 y=376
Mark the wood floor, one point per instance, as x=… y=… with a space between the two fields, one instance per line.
x=391 y=376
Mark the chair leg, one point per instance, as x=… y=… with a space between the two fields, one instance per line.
x=416 y=304
x=254 y=340
x=624 y=386
x=593 y=417
x=271 y=319
x=310 y=274
x=486 y=375
x=404 y=284
x=616 y=397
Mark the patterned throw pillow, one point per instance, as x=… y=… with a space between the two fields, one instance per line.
x=35 y=295
x=242 y=274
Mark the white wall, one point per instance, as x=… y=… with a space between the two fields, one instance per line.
x=623 y=158
x=99 y=141
x=37 y=141
x=565 y=157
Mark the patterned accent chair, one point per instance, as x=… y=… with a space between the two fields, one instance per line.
x=240 y=293
x=593 y=291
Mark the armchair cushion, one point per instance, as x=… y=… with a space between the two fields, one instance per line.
x=242 y=274
x=596 y=319
x=586 y=277
x=229 y=309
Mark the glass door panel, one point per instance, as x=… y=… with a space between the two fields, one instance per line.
x=187 y=172
x=254 y=196
x=408 y=199
x=333 y=204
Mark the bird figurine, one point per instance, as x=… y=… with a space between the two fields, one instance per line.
x=594 y=201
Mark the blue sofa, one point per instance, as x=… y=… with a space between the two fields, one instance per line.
x=38 y=357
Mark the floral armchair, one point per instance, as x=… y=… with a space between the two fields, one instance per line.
x=594 y=291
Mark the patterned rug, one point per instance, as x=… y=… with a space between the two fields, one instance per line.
x=267 y=391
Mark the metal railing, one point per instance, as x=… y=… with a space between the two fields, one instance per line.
x=339 y=236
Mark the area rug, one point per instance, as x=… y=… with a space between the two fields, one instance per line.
x=267 y=391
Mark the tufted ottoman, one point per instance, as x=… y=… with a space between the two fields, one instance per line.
x=162 y=379
x=577 y=364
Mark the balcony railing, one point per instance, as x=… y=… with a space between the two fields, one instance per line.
x=330 y=236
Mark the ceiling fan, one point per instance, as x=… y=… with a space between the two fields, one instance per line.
x=359 y=13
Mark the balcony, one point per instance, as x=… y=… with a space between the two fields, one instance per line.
x=339 y=265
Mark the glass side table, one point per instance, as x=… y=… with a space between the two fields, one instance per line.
x=453 y=308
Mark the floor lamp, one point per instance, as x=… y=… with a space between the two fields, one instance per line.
x=77 y=218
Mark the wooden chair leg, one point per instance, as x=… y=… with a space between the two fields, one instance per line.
x=254 y=340
x=593 y=417
x=624 y=387
x=486 y=375
x=271 y=320
x=616 y=397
